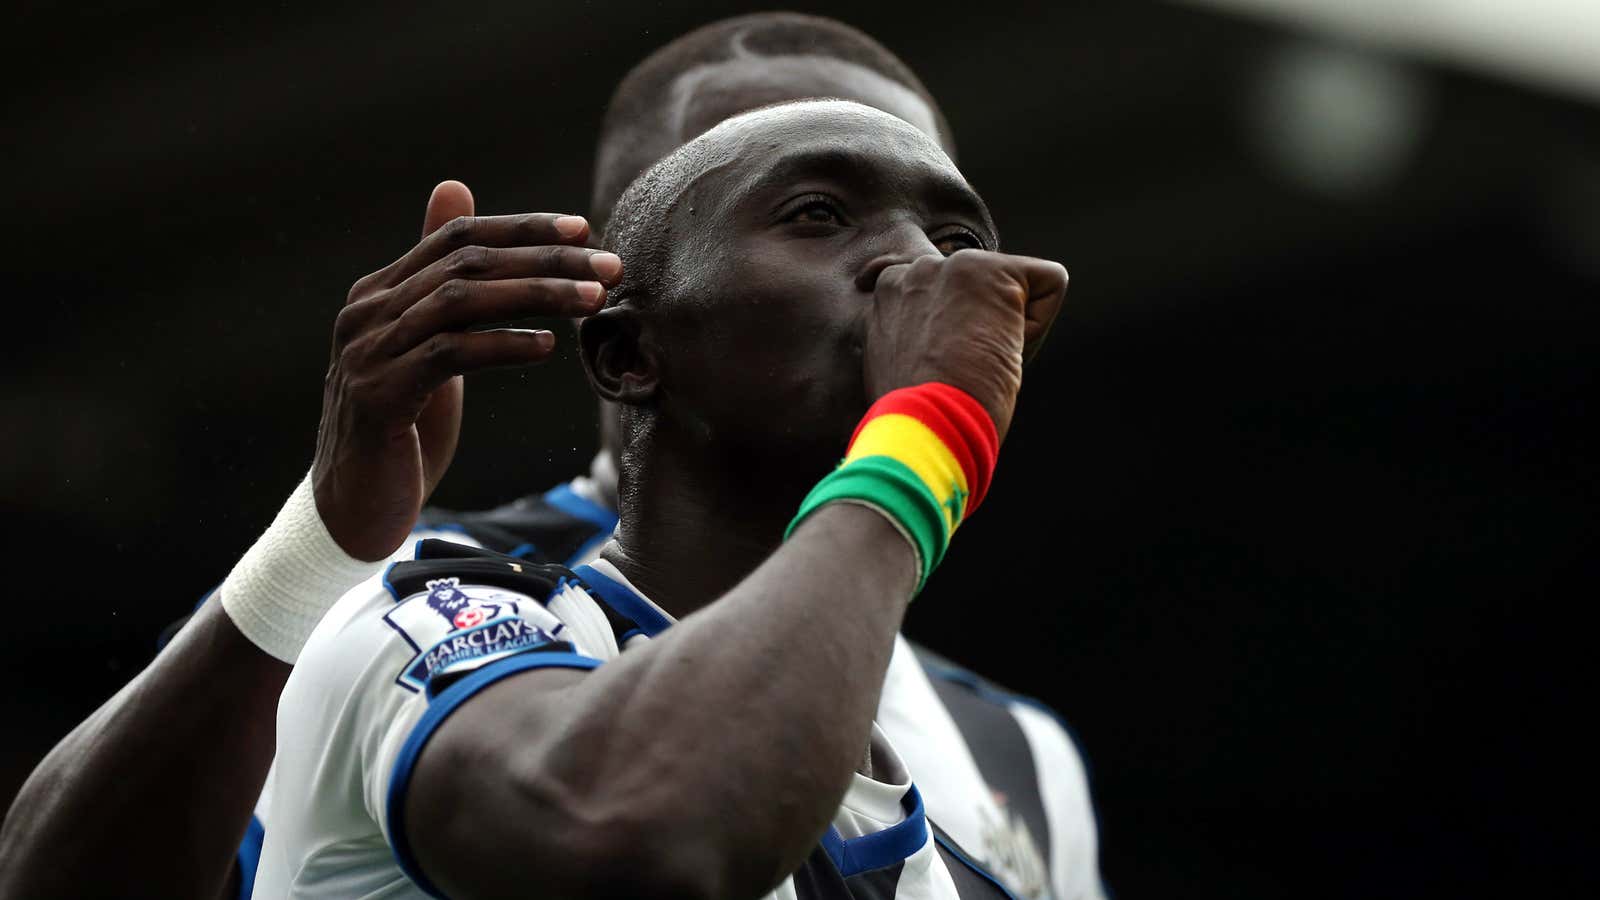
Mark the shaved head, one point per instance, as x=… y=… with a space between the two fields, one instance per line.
x=744 y=63
x=752 y=253
x=645 y=226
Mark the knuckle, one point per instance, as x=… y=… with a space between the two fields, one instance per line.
x=537 y=226
x=456 y=290
x=964 y=261
x=440 y=350
x=361 y=288
x=554 y=257
x=924 y=267
x=347 y=324
x=458 y=231
x=466 y=261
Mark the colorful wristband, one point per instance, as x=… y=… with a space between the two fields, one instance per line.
x=923 y=457
x=890 y=487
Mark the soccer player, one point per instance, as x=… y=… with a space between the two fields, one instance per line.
x=996 y=769
x=692 y=715
x=1016 y=794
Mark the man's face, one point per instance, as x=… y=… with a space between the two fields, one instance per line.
x=776 y=248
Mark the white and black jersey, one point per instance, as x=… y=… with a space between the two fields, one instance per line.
x=566 y=524
x=996 y=770
x=391 y=662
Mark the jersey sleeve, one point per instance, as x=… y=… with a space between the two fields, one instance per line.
x=393 y=661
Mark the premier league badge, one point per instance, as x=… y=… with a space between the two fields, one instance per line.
x=447 y=599
x=454 y=627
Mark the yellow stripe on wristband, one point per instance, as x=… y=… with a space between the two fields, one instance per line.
x=914 y=444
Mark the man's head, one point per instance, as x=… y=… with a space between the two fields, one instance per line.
x=752 y=254
x=733 y=66
x=739 y=64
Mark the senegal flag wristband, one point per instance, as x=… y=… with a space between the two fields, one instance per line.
x=923 y=457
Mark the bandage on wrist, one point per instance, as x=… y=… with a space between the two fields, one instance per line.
x=293 y=573
x=923 y=457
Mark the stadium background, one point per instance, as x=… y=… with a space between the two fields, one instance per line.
x=1292 y=526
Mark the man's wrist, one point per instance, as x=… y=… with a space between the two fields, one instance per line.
x=923 y=458
x=293 y=573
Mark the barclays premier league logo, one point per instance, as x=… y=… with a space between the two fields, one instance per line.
x=453 y=627
x=448 y=600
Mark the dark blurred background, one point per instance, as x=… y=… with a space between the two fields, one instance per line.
x=1293 y=527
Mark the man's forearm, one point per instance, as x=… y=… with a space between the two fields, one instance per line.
x=175 y=759
x=708 y=762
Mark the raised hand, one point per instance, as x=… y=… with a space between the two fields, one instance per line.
x=969 y=320
x=391 y=403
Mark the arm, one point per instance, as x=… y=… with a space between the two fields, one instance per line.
x=153 y=791
x=709 y=762
x=174 y=760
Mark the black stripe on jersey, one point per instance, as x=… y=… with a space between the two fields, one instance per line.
x=999 y=748
x=477 y=565
x=439 y=559
x=971 y=879
x=819 y=879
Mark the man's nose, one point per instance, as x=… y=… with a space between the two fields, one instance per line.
x=902 y=244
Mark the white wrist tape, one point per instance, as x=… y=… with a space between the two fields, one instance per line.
x=284 y=583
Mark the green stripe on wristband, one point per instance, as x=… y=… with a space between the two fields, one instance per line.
x=888 y=485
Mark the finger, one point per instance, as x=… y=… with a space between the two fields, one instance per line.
x=453 y=353
x=479 y=263
x=889 y=279
x=462 y=304
x=449 y=200
x=1047 y=291
x=524 y=230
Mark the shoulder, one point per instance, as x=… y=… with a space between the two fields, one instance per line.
x=970 y=690
x=1031 y=757
x=394 y=657
x=1001 y=725
x=452 y=609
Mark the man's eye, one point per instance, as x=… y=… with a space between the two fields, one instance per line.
x=951 y=241
x=816 y=211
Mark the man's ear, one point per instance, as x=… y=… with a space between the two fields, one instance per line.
x=617 y=357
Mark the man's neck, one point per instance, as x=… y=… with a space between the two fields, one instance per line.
x=690 y=532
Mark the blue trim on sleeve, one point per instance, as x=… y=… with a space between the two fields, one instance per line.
x=523 y=551
x=881 y=848
x=389 y=585
x=629 y=635
x=439 y=709
x=978 y=870
x=625 y=601
x=249 y=857
x=569 y=501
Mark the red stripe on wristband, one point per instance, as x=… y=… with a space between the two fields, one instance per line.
x=959 y=421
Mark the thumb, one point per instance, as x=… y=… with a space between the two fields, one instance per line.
x=448 y=200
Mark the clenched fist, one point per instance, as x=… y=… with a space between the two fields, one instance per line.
x=968 y=320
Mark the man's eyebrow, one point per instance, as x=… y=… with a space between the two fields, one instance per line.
x=946 y=190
